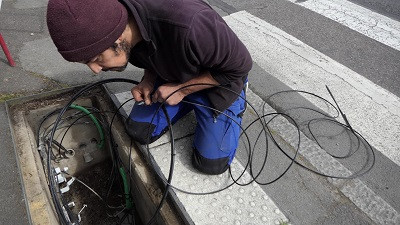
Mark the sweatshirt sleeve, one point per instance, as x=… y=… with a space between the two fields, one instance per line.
x=215 y=47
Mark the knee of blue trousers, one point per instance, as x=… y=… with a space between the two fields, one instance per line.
x=212 y=155
x=210 y=166
x=140 y=131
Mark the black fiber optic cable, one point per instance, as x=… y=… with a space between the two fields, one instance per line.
x=340 y=111
x=360 y=138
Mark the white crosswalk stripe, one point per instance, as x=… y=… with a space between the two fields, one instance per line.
x=365 y=21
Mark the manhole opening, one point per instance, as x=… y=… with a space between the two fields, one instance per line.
x=86 y=159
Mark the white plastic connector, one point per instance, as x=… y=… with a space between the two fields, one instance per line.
x=57 y=170
x=66 y=188
x=60 y=178
x=71 y=204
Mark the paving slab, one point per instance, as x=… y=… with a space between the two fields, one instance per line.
x=15 y=80
x=13 y=205
x=51 y=64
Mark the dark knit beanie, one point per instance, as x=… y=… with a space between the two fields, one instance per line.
x=82 y=29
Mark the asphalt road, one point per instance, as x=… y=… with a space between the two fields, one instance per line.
x=389 y=8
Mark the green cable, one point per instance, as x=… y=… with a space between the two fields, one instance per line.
x=128 y=199
x=95 y=121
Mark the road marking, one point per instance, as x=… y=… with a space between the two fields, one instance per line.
x=357 y=18
x=372 y=110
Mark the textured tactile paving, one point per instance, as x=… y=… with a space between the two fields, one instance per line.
x=233 y=205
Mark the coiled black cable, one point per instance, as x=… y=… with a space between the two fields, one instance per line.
x=254 y=176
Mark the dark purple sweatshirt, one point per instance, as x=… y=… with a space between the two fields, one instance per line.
x=182 y=38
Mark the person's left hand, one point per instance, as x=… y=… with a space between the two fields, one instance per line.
x=165 y=90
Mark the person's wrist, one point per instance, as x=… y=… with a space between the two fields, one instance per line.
x=184 y=91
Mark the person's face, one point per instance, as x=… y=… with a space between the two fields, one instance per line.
x=113 y=59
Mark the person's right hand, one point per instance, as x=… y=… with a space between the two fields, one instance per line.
x=141 y=92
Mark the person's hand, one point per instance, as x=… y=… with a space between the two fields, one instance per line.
x=161 y=94
x=141 y=92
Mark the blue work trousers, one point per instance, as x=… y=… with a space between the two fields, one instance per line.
x=216 y=135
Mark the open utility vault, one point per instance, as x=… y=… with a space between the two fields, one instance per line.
x=82 y=163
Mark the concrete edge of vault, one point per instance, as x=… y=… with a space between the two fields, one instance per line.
x=173 y=198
